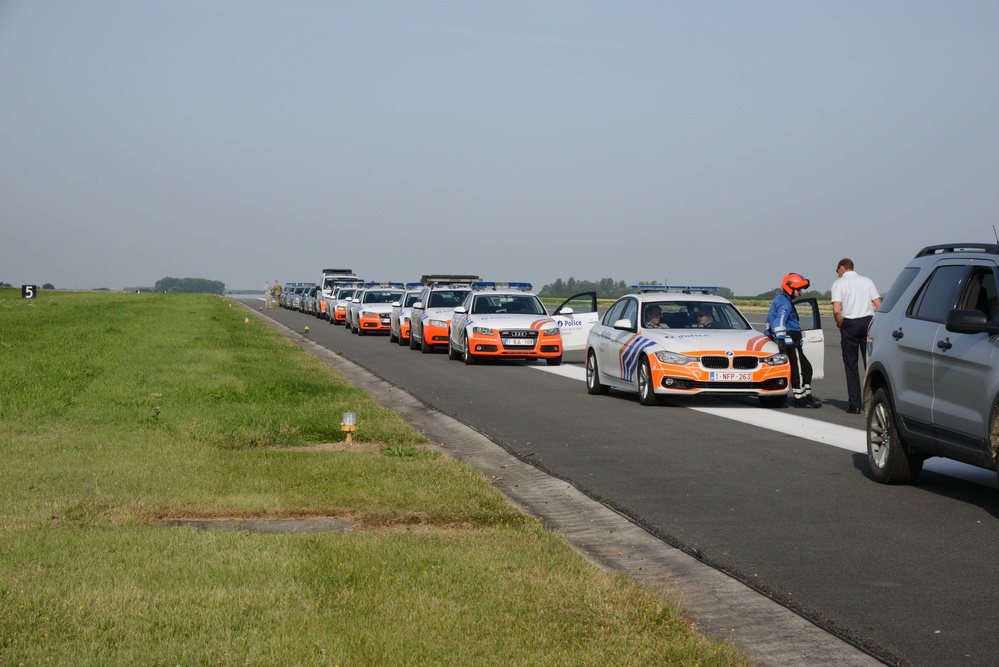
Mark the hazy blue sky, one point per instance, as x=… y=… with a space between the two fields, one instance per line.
x=721 y=143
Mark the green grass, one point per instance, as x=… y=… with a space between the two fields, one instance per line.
x=120 y=410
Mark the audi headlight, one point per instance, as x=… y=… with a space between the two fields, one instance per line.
x=778 y=359
x=368 y=313
x=483 y=331
x=675 y=358
x=553 y=331
x=439 y=323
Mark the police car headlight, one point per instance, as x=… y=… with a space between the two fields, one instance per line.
x=675 y=358
x=553 y=331
x=778 y=359
x=483 y=331
x=439 y=323
x=369 y=313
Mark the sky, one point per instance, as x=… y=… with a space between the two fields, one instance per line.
x=696 y=143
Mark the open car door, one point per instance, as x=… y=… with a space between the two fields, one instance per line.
x=575 y=317
x=812 y=338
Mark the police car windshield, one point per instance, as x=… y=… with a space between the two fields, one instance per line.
x=696 y=315
x=493 y=304
x=447 y=299
x=381 y=296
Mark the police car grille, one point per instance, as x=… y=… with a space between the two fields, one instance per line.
x=518 y=333
x=744 y=363
x=522 y=334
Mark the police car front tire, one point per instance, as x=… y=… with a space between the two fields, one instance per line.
x=593 y=385
x=646 y=393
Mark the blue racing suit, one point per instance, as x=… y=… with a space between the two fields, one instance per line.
x=783 y=327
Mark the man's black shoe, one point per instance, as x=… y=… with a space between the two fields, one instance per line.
x=853 y=411
x=810 y=403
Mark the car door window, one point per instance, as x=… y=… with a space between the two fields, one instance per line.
x=614 y=313
x=939 y=295
x=980 y=292
x=631 y=313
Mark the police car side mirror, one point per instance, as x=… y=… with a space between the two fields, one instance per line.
x=417 y=305
x=396 y=304
x=565 y=311
x=623 y=325
x=459 y=310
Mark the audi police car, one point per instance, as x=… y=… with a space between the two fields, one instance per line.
x=341 y=299
x=432 y=311
x=401 y=310
x=370 y=310
x=681 y=341
x=503 y=320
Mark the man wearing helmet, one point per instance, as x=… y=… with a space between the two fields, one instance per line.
x=784 y=329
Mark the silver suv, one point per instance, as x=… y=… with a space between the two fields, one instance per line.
x=932 y=385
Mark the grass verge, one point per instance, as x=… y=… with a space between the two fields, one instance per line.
x=121 y=410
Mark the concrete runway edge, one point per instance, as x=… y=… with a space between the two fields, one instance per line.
x=771 y=634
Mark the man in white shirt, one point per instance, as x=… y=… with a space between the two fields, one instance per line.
x=854 y=301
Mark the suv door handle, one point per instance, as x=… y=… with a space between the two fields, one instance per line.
x=944 y=344
x=897 y=333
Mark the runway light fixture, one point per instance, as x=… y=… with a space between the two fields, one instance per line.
x=349 y=425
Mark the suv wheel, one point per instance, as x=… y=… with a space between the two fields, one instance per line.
x=886 y=453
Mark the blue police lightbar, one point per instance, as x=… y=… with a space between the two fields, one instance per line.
x=413 y=285
x=494 y=285
x=688 y=289
x=448 y=278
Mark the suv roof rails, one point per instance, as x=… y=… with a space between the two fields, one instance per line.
x=985 y=248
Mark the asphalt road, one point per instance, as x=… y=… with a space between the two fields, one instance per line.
x=786 y=505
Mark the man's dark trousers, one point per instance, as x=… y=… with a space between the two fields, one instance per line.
x=853 y=341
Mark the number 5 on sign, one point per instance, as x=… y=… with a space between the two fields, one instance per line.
x=29 y=291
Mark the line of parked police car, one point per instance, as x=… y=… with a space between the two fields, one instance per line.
x=931 y=388
x=658 y=342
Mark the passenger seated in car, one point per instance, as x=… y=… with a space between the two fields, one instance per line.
x=653 y=317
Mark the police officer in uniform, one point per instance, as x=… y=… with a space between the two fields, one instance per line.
x=783 y=327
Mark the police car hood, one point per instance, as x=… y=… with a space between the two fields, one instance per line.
x=723 y=340
x=375 y=308
x=508 y=321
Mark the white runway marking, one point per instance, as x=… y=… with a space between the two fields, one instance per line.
x=844 y=437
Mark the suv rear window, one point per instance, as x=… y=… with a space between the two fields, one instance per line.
x=903 y=280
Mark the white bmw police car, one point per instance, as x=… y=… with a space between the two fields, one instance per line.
x=681 y=341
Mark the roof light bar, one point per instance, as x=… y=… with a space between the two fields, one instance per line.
x=483 y=285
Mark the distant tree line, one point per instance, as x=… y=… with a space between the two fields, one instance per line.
x=189 y=286
x=45 y=286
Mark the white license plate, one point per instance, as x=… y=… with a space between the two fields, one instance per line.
x=519 y=341
x=386 y=320
x=730 y=376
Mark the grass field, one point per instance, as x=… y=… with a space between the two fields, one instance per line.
x=121 y=411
